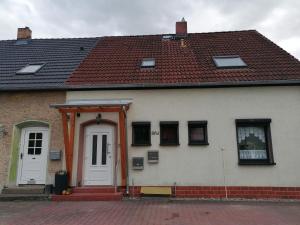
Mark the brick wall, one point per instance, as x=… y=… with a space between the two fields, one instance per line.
x=17 y=107
x=233 y=192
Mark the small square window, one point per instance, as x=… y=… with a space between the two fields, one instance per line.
x=148 y=63
x=169 y=134
x=30 y=68
x=234 y=61
x=141 y=133
x=197 y=132
x=254 y=141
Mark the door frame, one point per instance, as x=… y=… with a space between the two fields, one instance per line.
x=21 y=150
x=81 y=148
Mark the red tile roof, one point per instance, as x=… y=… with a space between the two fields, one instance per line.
x=115 y=61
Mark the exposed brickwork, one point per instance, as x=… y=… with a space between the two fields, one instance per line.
x=239 y=192
x=219 y=192
x=21 y=106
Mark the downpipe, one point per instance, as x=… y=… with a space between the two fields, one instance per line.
x=126 y=150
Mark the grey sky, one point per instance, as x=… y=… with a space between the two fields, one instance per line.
x=279 y=20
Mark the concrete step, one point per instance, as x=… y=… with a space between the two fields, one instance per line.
x=30 y=190
x=88 y=197
x=24 y=197
x=94 y=190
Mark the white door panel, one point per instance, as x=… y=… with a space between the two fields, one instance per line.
x=33 y=156
x=98 y=155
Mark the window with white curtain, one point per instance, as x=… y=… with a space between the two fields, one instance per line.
x=254 y=141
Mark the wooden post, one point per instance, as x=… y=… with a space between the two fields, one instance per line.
x=122 y=146
x=67 y=143
x=71 y=144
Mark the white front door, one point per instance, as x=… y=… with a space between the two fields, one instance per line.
x=33 y=156
x=98 y=156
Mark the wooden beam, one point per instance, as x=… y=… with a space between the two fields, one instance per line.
x=71 y=144
x=122 y=146
x=67 y=143
x=86 y=109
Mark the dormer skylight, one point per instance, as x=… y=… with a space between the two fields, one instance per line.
x=229 y=62
x=148 y=63
x=30 y=68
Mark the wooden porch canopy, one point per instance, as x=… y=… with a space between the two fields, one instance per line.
x=71 y=108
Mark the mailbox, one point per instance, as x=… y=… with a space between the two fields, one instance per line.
x=55 y=155
x=153 y=156
x=138 y=163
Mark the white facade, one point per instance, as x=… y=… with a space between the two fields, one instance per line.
x=217 y=163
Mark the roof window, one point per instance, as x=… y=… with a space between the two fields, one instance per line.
x=230 y=61
x=30 y=68
x=167 y=37
x=22 y=42
x=148 y=63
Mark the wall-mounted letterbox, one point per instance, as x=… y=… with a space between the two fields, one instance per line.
x=153 y=156
x=138 y=163
x=55 y=155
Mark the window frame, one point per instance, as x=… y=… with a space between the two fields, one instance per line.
x=141 y=123
x=215 y=58
x=197 y=124
x=41 y=64
x=173 y=124
x=148 y=66
x=269 y=148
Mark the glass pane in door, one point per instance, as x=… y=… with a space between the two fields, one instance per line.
x=94 y=149
x=104 y=149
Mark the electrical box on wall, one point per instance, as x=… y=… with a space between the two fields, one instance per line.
x=138 y=163
x=55 y=155
x=153 y=156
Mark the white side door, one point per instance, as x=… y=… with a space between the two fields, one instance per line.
x=33 y=155
x=98 y=157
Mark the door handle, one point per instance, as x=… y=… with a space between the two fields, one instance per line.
x=21 y=155
x=107 y=152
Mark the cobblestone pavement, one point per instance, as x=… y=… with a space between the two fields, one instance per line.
x=150 y=212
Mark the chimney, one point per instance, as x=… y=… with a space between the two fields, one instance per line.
x=181 y=28
x=24 y=33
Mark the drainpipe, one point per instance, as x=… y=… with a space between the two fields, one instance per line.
x=126 y=150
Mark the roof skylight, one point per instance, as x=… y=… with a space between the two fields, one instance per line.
x=167 y=37
x=230 y=61
x=148 y=63
x=30 y=68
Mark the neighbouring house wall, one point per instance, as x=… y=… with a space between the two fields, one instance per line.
x=20 y=109
x=209 y=165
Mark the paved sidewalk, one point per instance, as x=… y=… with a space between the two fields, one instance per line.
x=150 y=213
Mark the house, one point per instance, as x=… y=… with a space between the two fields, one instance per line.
x=32 y=76
x=204 y=114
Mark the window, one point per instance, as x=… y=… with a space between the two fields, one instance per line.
x=30 y=69
x=35 y=143
x=254 y=141
x=234 y=61
x=141 y=134
x=169 y=134
x=197 y=132
x=148 y=63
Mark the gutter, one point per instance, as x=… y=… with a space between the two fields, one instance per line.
x=159 y=86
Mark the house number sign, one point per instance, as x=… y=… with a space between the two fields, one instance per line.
x=154 y=132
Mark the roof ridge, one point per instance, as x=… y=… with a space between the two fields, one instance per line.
x=137 y=35
x=161 y=34
x=71 y=38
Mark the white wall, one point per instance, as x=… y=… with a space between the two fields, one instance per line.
x=203 y=165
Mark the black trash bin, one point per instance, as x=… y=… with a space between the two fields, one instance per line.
x=61 y=182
